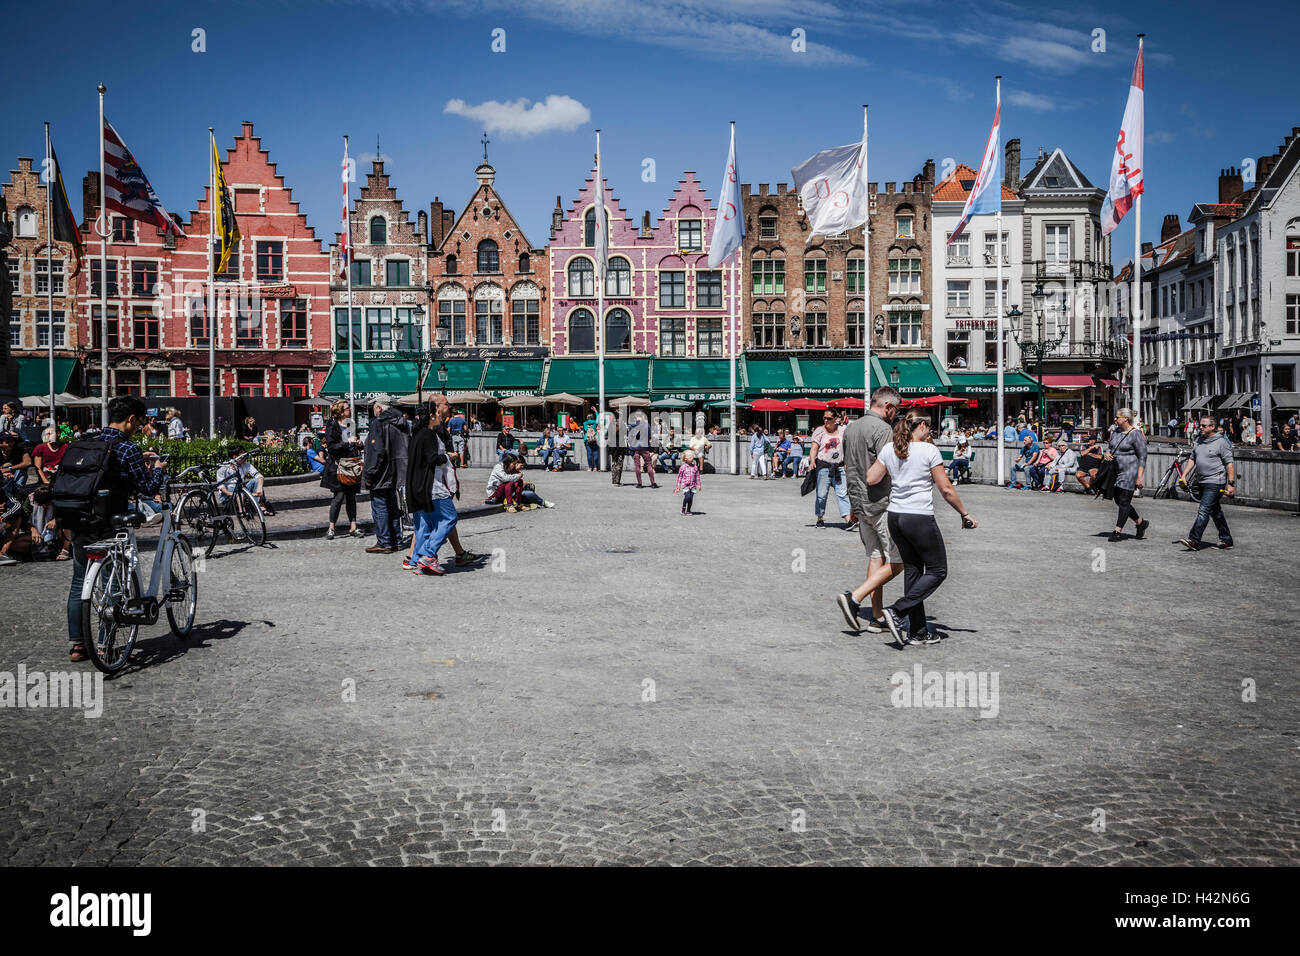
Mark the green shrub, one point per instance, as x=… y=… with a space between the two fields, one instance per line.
x=272 y=460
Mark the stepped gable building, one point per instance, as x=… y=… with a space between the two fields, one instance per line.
x=811 y=296
x=272 y=323
x=487 y=279
x=390 y=274
x=661 y=297
x=31 y=278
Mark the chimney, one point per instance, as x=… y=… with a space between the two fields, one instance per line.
x=248 y=130
x=645 y=224
x=1230 y=185
x=1170 y=227
x=422 y=226
x=1012 y=176
x=1263 y=167
x=437 y=226
x=1147 y=247
x=927 y=173
x=90 y=197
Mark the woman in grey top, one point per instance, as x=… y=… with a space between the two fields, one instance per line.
x=1128 y=449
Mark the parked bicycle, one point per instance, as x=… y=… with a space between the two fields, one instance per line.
x=1178 y=477
x=114 y=602
x=213 y=508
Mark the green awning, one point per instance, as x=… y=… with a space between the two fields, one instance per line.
x=390 y=376
x=630 y=376
x=512 y=377
x=462 y=376
x=771 y=377
x=986 y=383
x=920 y=375
x=694 y=380
x=834 y=376
x=34 y=375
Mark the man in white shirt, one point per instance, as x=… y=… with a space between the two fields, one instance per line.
x=175 y=427
x=253 y=480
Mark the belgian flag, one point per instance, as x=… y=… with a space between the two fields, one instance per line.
x=65 y=223
x=227 y=230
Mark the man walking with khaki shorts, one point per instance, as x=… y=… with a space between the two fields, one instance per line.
x=863 y=441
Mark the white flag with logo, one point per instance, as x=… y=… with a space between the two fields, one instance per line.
x=833 y=188
x=729 y=223
x=1126 y=165
x=602 y=222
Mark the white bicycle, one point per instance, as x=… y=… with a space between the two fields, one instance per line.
x=113 y=602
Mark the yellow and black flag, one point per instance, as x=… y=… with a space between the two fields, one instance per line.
x=65 y=223
x=227 y=229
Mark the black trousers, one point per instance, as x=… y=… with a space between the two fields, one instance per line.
x=925 y=564
x=1124 y=499
x=345 y=495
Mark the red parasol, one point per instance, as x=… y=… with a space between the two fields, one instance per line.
x=809 y=404
x=769 y=405
x=847 y=402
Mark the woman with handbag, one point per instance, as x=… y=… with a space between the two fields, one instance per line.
x=342 y=473
x=828 y=469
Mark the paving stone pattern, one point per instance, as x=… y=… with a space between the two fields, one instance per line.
x=500 y=714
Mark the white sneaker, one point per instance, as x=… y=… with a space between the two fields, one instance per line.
x=548 y=504
x=5 y=559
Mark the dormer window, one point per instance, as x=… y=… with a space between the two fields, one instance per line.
x=378 y=231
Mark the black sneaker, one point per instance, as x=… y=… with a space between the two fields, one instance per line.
x=1225 y=545
x=1115 y=536
x=893 y=623
x=1190 y=545
x=923 y=637
x=1142 y=529
x=849 y=608
x=876 y=626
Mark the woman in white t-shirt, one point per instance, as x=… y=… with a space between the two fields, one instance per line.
x=915 y=467
x=828 y=459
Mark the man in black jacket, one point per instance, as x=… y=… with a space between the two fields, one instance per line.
x=383 y=467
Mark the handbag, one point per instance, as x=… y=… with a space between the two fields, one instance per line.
x=809 y=483
x=349 y=471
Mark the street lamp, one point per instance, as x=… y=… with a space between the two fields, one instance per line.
x=895 y=377
x=1038 y=346
x=442 y=377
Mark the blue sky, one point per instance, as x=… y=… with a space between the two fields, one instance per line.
x=661 y=80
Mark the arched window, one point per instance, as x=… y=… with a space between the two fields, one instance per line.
x=582 y=331
x=582 y=278
x=618 y=331
x=378 y=231
x=525 y=263
x=488 y=258
x=589 y=228
x=618 y=279
x=451 y=265
x=26 y=222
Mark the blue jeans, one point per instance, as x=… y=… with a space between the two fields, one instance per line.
x=79 y=543
x=383 y=508
x=790 y=466
x=955 y=468
x=1210 y=507
x=593 y=456
x=841 y=491
x=1037 y=475
x=13 y=487
x=432 y=528
x=668 y=461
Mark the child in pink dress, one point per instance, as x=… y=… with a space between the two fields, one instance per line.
x=688 y=480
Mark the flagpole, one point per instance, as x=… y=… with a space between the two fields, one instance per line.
x=1136 y=310
x=212 y=285
x=1000 y=305
x=731 y=335
x=102 y=227
x=600 y=305
x=347 y=224
x=866 y=279
x=51 y=177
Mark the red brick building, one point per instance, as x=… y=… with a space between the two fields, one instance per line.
x=272 y=320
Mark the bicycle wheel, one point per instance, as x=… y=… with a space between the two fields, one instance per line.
x=193 y=516
x=1165 y=488
x=248 y=516
x=107 y=642
x=180 y=613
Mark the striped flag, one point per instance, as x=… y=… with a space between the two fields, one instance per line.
x=126 y=188
x=227 y=228
x=986 y=195
x=345 y=240
x=65 y=223
x=1126 y=165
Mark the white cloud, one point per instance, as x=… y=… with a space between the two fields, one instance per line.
x=1030 y=101
x=1048 y=54
x=522 y=118
x=1161 y=136
x=371 y=157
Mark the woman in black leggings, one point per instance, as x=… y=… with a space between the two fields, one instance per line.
x=338 y=447
x=1128 y=449
x=915 y=466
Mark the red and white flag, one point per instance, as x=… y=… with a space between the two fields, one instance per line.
x=126 y=188
x=833 y=188
x=345 y=240
x=1126 y=164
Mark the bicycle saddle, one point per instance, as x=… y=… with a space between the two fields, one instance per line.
x=132 y=518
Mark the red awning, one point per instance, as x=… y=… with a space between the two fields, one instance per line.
x=1110 y=382
x=1067 y=381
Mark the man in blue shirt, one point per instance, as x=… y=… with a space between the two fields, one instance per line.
x=1009 y=433
x=1029 y=454
x=125 y=413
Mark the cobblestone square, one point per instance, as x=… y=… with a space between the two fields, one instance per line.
x=620 y=684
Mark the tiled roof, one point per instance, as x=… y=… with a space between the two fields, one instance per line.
x=958 y=186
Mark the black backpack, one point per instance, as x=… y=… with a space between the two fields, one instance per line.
x=87 y=492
